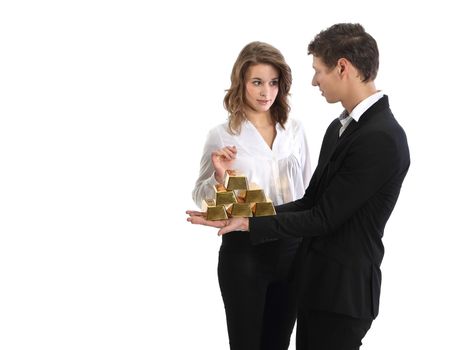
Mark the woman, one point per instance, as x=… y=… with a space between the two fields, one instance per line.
x=271 y=150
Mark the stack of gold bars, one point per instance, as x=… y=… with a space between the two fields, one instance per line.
x=236 y=197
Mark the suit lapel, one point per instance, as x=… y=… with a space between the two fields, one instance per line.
x=379 y=105
x=333 y=144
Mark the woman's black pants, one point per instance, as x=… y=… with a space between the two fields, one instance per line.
x=255 y=283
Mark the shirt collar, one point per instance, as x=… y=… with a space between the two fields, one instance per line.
x=361 y=108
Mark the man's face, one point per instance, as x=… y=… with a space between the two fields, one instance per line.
x=327 y=80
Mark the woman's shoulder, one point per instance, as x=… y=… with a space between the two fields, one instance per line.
x=219 y=128
x=293 y=125
x=223 y=134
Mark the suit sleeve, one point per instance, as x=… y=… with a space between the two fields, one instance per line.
x=371 y=162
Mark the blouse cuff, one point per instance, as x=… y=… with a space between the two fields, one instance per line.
x=211 y=180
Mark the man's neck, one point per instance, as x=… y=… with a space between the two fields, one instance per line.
x=357 y=94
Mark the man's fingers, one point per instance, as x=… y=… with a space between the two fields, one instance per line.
x=200 y=220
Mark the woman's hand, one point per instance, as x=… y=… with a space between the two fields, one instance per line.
x=222 y=160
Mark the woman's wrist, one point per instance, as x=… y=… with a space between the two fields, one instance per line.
x=218 y=178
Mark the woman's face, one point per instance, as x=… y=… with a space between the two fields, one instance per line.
x=261 y=86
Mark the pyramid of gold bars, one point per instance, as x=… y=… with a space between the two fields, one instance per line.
x=236 y=197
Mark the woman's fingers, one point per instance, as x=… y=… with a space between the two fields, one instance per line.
x=228 y=152
x=231 y=151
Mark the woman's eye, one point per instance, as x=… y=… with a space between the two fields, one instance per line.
x=256 y=83
x=274 y=82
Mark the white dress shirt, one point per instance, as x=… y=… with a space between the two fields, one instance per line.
x=283 y=172
x=358 y=111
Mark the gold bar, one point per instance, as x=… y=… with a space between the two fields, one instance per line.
x=264 y=209
x=255 y=196
x=207 y=203
x=219 y=188
x=212 y=211
x=240 y=195
x=235 y=180
x=254 y=186
x=227 y=197
x=240 y=210
x=217 y=213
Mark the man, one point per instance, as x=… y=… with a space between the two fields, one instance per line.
x=363 y=161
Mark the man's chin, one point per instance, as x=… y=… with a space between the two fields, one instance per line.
x=331 y=100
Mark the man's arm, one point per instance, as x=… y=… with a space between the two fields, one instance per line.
x=371 y=162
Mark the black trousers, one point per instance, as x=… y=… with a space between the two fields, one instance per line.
x=255 y=285
x=321 y=330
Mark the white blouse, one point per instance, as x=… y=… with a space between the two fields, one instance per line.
x=283 y=172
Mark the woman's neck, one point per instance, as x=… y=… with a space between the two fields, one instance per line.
x=260 y=120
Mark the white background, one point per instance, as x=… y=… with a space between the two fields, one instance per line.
x=104 y=109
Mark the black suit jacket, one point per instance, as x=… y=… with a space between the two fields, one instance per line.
x=343 y=214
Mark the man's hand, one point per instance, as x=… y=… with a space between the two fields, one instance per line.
x=225 y=226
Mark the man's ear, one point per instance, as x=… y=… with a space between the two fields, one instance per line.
x=342 y=64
